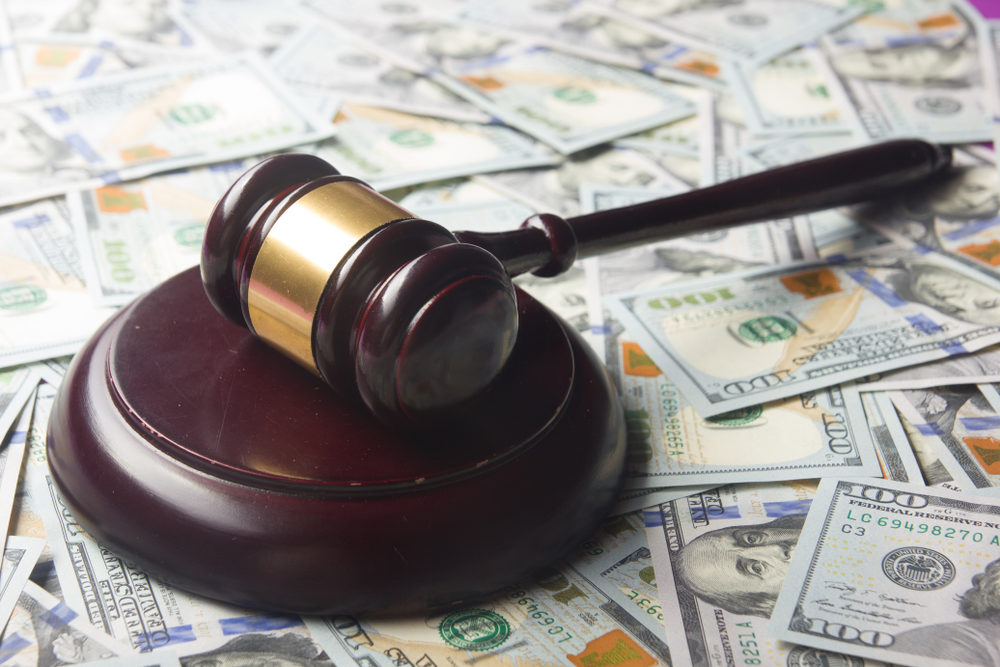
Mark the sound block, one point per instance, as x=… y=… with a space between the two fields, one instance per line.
x=201 y=455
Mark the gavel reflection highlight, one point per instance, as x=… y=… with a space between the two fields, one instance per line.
x=417 y=320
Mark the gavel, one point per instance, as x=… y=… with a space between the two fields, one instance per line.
x=416 y=320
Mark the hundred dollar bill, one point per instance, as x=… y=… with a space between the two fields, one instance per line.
x=975 y=368
x=931 y=467
x=632 y=500
x=281 y=647
x=576 y=27
x=16 y=387
x=43 y=631
x=14 y=444
x=327 y=65
x=892 y=445
x=682 y=137
x=743 y=339
x=895 y=572
x=47 y=61
x=138 y=122
x=559 y=189
x=566 y=101
x=820 y=433
x=19 y=557
x=260 y=25
x=958 y=215
x=720 y=558
x=390 y=149
x=794 y=93
x=753 y=31
x=962 y=428
x=117 y=597
x=10 y=76
x=913 y=69
x=617 y=561
x=559 y=618
x=45 y=310
x=991 y=54
x=139 y=233
x=561 y=99
x=137 y=24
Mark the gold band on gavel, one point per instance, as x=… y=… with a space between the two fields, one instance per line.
x=299 y=253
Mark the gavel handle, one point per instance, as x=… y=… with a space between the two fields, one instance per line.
x=544 y=245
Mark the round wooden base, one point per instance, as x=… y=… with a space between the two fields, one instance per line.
x=192 y=449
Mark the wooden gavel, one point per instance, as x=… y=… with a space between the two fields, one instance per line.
x=418 y=320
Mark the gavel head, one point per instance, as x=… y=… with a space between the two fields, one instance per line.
x=378 y=303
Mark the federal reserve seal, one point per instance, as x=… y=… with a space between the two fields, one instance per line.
x=474 y=630
x=918 y=568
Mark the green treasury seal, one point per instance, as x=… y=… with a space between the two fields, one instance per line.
x=474 y=629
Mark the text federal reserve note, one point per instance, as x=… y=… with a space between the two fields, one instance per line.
x=895 y=572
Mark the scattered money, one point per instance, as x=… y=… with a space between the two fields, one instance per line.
x=854 y=348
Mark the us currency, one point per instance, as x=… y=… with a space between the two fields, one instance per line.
x=327 y=65
x=976 y=368
x=10 y=76
x=135 y=24
x=11 y=461
x=682 y=138
x=962 y=428
x=281 y=647
x=895 y=572
x=560 y=617
x=19 y=557
x=895 y=456
x=16 y=386
x=566 y=101
x=576 y=27
x=138 y=233
x=632 y=500
x=47 y=61
x=44 y=305
x=390 y=149
x=958 y=215
x=796 y=92
x=720 y=558
x=753 y=31
x=931 y=468
x=559 y=189
x=117 y=597
x=816 y=434
x=991 y=54
x=43 y=632
x=743 y=339
x=258 y=25
x=914 y=69
x=138 y=122
x=617 y=561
